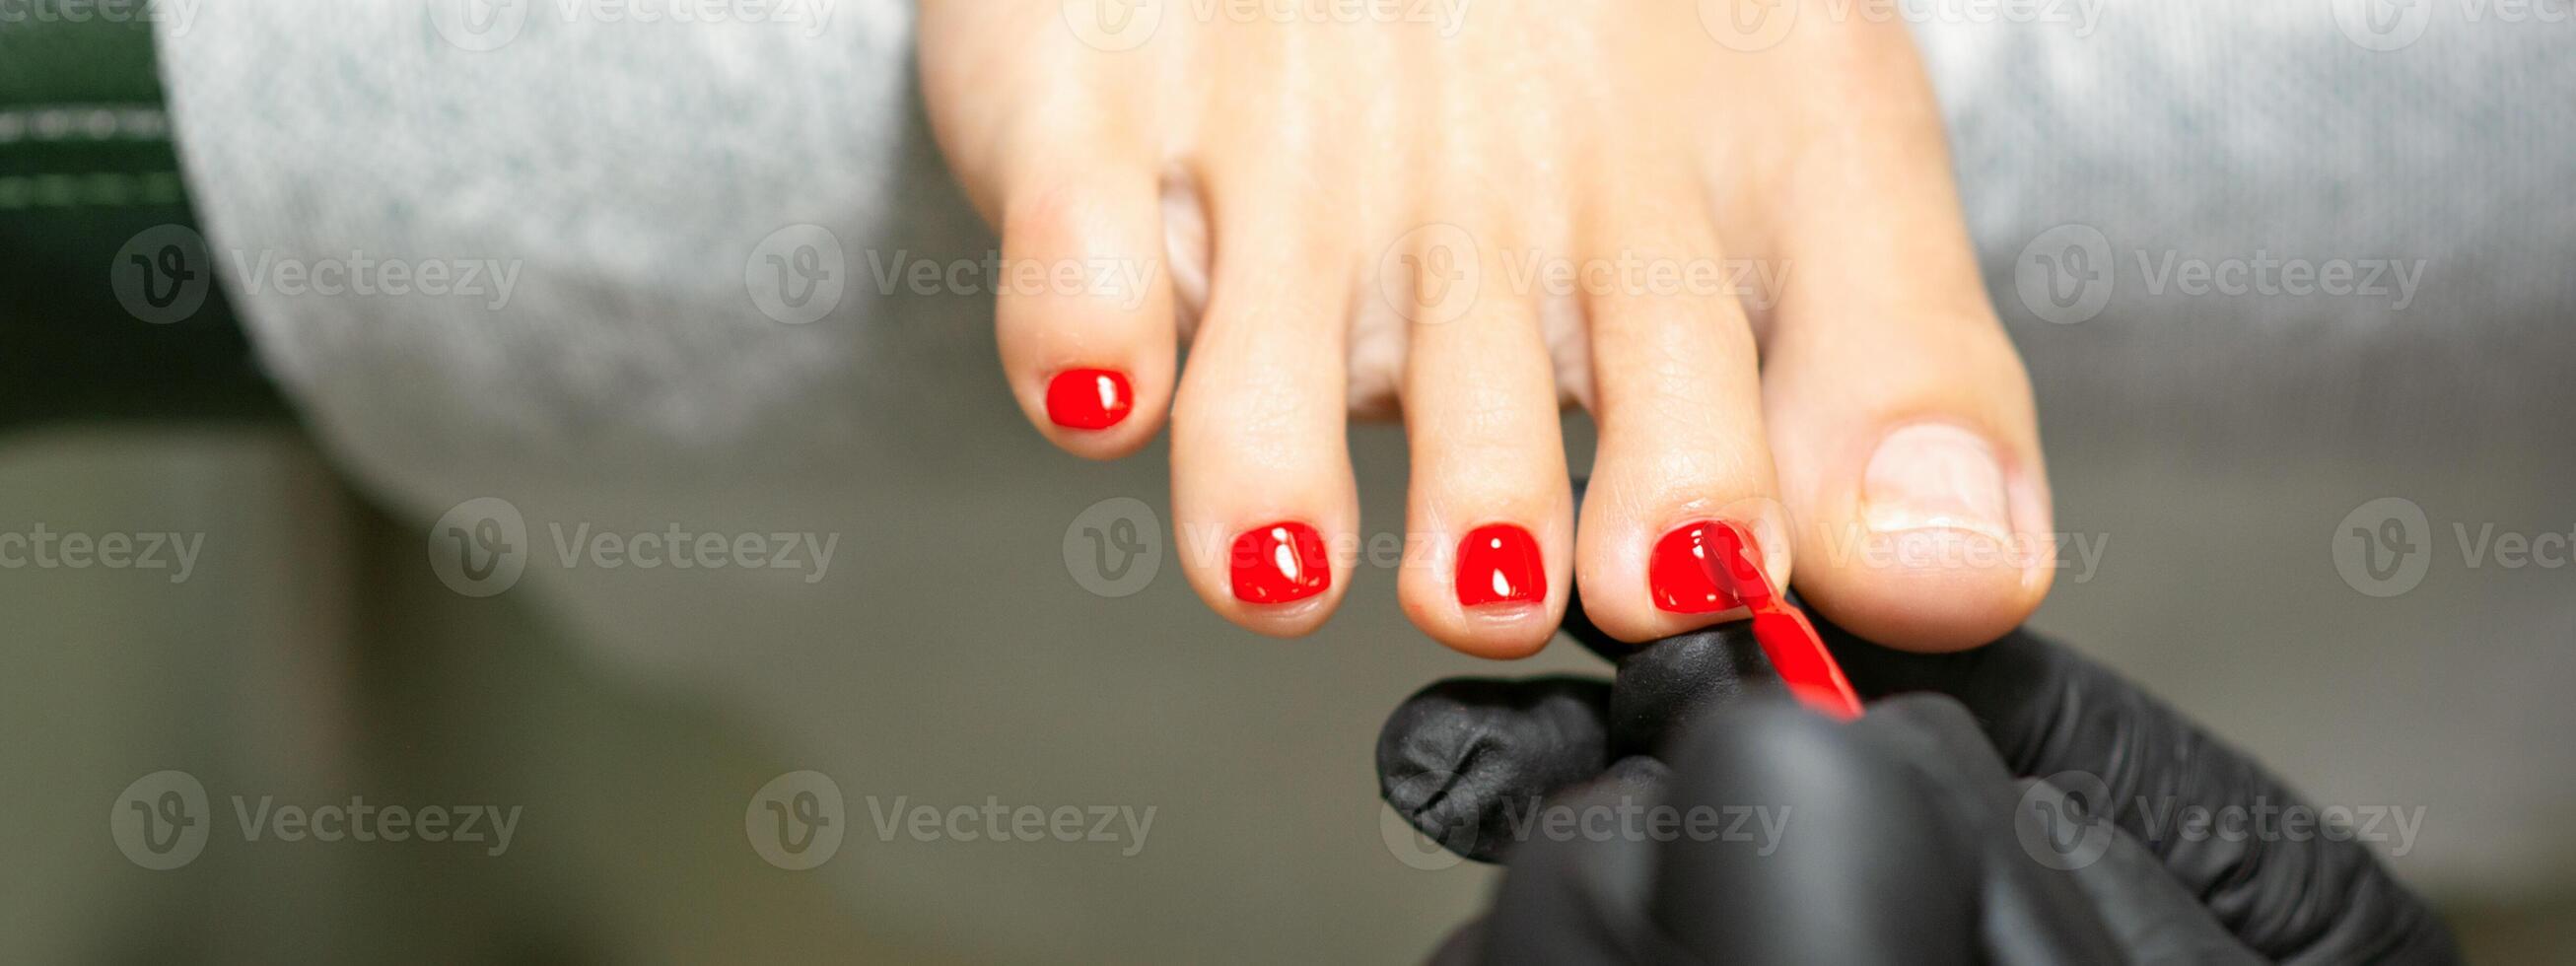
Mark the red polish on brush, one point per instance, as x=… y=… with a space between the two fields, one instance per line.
x=1792 y=644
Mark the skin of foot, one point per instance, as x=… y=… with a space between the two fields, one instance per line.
x=1727 y=229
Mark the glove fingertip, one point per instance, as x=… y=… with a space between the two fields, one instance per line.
x=1458 y=755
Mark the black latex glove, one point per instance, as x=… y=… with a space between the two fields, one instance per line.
x=1894 y=839
x=1461 y=757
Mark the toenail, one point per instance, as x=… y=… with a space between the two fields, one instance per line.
x=1936 y=476
x=1706 y=566
x=1089 y=398
x=1500 y=563
x=1279 y=563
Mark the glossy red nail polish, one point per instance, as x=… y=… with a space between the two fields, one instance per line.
x=1680 y=573
x=1499 y=563
x=1279 y=563
x=1733 y=564
x=1089 y=398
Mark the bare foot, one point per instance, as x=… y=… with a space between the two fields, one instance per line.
x=1736 y=243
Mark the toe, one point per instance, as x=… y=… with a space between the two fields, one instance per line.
x=1262 y=491
x=1682 y=450
x=1490 y=498
x=1907 y=445
x=1070 y=172
x=1084 y=309
x=1909 y=458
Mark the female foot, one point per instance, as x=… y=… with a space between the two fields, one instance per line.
x=1735 y=242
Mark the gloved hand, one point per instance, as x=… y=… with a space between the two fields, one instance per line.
x=1779 y=836
x=1898 y=825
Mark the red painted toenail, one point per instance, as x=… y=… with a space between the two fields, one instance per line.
x=1279 y=563
x=1089 y=398
x=1729 y=563
x=1683 y=573
x=1500 y=563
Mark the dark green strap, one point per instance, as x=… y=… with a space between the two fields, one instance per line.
x=109 y=307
